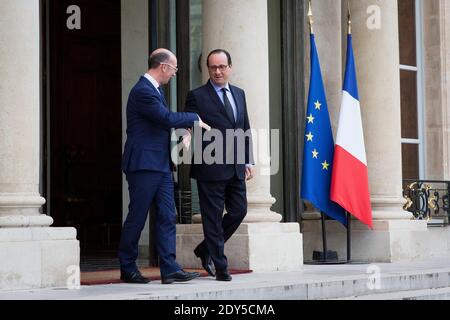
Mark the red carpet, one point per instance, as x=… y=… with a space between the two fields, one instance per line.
x=113 y=276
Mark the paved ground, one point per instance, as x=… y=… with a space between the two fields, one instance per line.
x=246 y=286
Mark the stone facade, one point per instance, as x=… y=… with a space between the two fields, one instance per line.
x=34 y=255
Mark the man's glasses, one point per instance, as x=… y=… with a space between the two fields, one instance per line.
x=221 y=68
x=167 y=64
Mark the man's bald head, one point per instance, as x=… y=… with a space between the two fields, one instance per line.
x=159 y=56
x=162 y=65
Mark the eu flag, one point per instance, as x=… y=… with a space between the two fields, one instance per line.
x=318 y=152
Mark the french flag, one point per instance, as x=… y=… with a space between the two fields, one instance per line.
x=349 y=181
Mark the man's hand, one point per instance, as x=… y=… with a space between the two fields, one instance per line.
x=187 y=139
x=249 y=172
x=203 y=125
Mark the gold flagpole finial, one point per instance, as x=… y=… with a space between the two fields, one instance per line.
x=311 y=18
x=349 y=18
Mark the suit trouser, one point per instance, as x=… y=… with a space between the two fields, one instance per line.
x=218 y=228
x=146 y=187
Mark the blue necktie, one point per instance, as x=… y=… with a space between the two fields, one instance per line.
x=161 y=92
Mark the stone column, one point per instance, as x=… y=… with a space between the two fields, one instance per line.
x=378 y=67
x=135 y=47
x=241 y=27
x=19 y=118
x=376 y=45
x=394 y=236
x=436 y=16
x=32 y=254
x=436 y=67
x=445 y=21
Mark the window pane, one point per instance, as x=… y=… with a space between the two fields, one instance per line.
x=407 y=32
x=410 y=159
x=408 y=83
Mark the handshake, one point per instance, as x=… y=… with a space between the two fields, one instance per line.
x=188 y=137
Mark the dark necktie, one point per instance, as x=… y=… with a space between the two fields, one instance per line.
x=227 y=104
x=171 y=164
x=161 y=91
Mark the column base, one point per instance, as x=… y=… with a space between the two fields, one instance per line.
x=20 y=221
x=38 y=258
x=260 y=247
x=389 y=241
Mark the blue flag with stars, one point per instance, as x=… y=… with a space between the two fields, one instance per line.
x=318 y=152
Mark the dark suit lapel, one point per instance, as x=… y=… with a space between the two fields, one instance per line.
x=152 y=87
x=218 y=102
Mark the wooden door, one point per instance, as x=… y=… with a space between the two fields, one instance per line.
x=86 y=120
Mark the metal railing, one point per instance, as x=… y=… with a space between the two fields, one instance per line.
x=428 y=200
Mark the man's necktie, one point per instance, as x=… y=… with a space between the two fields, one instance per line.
x=227 y=104
x=171 y=163
x=161 y=92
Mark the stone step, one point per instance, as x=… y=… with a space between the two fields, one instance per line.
x=426 y=294
x=424 y=283
x=396 y=281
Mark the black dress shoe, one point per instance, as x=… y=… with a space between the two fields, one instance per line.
x=206 y=262
x=179 y=276
x=223 y=276
x=133 y=277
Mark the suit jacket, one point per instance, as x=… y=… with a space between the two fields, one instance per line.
x=149 y=124
x=206 y=103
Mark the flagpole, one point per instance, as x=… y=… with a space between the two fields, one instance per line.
x=323 y=219
x=349 y=216
x=311 y=18
x=349 y=18
x=349 y=237
x=324 y=239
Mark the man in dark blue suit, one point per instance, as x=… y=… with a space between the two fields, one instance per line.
x=147 y=165
x=221 y=183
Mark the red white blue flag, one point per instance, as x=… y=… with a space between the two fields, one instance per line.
x=350 y=182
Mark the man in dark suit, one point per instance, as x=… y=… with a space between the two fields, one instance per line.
x=222 y=183
x=147 y=165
